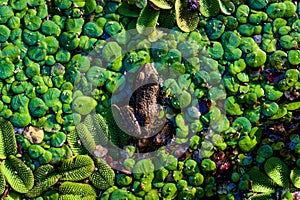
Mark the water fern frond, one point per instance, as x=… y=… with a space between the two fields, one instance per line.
x=76 y=168
x=295 y=177
x=147 y=20
x=86 y=137
x=264 y=196
x=278 y=171
x=13 y=196
x=8 y=143
x=2 y=183
x=260 y=182
x=116 y=135
x=167 y=19
x=45 y=177
x=186 y=20
x=209 y=8
x=75 y=144
x=163 y=4
x=97 y=126
x=17 y=174
x=70 y=190
x=75 y=197
x=103 y=177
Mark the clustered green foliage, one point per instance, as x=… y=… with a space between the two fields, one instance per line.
x=70 y=190
x=103 y=176
x=166 y=13
x=17 y=174
x=8 y=144
x=13 y=170
x=44 y=177
x=92 y=132
x=33 y=184
x=278 y=173
x=52 y=78
x=76 y=168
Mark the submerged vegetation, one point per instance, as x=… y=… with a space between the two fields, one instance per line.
x=227 y=94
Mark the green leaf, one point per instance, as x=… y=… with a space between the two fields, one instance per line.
x=8 y=144
x=6 y=68
x=265 y=196
x=242 y=124
x=295 y=177
x=103 y=177
x=272 y=93
x=76 y=168
x=78 y=189
x=45 y=177
x=90 y=6
x=256 y=58
x=128 y=10
x=293 y=106
x=72 y=197
x=2 y=183
x=163 y=4
x=269 y=108
x=50 y=28
x=282 y=111
x=143 y=168
x=227 y=7
x=294 y=57
x=17 y=174
x=247 y=144
x=147 y=20
x=6 y=12
x=13 y=196
x=116 y=135
x=187 y=20
x=75 y=143
x=98 y=128
x=51 y=97
x=167 y=19
x=232 y=107
x=86 y=137
x=260 y=182
x=84 y=105
x=4 y=33
x=253 y=114
x=111 y=51
x=278 y=171
x=209 y=8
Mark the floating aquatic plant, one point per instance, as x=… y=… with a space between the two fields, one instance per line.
x=17 y=174
x=76 y=144
x=44 y=177
x=294 y=177
x=103 y=177
x=76 y=168
x=278 y=171
x=186 y=13
x=169 y=190
x=7 y=139
x=45 y=70
x=2 y=183
x=71 y=190
x=97 y=126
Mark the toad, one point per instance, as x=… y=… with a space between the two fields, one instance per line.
x=140 y=118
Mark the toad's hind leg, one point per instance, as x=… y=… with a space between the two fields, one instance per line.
x=125 y=119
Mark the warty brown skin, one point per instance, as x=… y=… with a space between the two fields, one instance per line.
x=140 y=118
